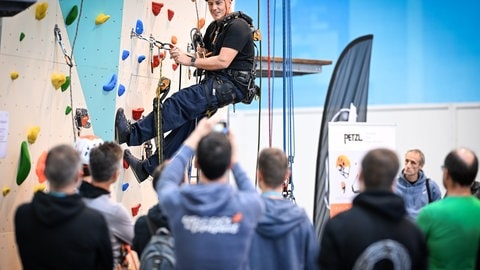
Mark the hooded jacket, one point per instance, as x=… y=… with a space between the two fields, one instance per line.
x=119 y=222
x=415 y=194
x=212 y=223
x=142 y=232
x=55 y=232
x=284 y=238
x=374 y=231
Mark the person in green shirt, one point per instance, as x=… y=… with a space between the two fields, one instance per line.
x=452 y=225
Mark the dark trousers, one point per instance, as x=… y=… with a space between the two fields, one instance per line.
x=180 y=113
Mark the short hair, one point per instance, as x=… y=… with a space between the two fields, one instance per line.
x=380 y=167
x=460 y=171
x=62 y=166
x=214 y=154
x=105 y=161
x=421 y=162
x=273 y=165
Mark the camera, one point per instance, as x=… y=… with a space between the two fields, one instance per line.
x=221 y=127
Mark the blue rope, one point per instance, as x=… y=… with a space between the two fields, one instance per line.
x=288 y=107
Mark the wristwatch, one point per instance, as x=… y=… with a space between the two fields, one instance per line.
x=193 y=60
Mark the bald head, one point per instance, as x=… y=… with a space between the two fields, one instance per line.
x=462 y=166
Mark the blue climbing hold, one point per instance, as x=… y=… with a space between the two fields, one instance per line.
x=121 y=90
x=139 y=27
x=141 y=58
x=125 y=54
x=124 y=186
x=110 y=85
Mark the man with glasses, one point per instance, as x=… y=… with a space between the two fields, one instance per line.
x=452 y=225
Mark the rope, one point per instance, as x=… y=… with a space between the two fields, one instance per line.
x=70 y=69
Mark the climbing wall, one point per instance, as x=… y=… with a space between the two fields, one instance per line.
x=40 y=93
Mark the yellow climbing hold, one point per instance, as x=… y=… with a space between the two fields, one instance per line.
x=5 y=191
x=101 y=18
x=24 y=164
x=39 y=187
x=41 y=10
x=33 y=134
x=58 y=79
x=14 y=75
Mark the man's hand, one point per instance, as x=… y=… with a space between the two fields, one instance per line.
x=204 y=127
x=180 y=57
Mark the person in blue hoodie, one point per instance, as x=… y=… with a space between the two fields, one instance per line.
x=284 y=237
x=414 y=186
x=212 y=222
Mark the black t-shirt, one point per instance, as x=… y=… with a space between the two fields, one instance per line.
x=235 y=34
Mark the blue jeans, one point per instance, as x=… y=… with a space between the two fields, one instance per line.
x=180 y=113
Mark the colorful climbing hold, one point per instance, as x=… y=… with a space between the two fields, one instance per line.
x=121 y=90
x=156 y=61
x=174 y=40
x=66 y=84
x=58 y=79
x=174 y=66
x=170 y=14
x=32 y=134
x=201 y=23
x=68 y=110
x=24 y=164
x=39 y=187
x=22 y=36
x=125 y=54
x=135 y=209
x=41 y=10
x=137 y=113
x=101 y=18
x=14 y=75
x=156 y=8
x=111 y=84
x=72 y=15
x=125 y=186
x=40 y=168
x=5 y=191
x=139 y=27
x=125 y=164
x=141 y=58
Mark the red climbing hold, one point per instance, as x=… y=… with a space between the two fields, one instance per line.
x=170 y=14
x=156 y=7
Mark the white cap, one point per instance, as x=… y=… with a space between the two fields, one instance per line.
x=84 y=144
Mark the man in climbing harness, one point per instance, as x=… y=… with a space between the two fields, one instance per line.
x=229 y=78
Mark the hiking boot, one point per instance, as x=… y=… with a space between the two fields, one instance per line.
x=136 y=166
x=122 y=127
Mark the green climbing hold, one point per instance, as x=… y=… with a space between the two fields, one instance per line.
x=66 y=84
x=22 y=36
x=24 y=164
x=72 y=15
x=68 y=110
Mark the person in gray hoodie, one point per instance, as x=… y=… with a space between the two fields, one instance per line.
x=284 y=237
x=413 y=185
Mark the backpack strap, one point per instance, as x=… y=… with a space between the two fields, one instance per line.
x=427 y=183
x=151 y=227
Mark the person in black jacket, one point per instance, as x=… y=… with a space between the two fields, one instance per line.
x=148 y=224
x=375 y=233
x=56 y=230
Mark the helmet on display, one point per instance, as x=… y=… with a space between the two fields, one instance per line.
x=84 y=144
